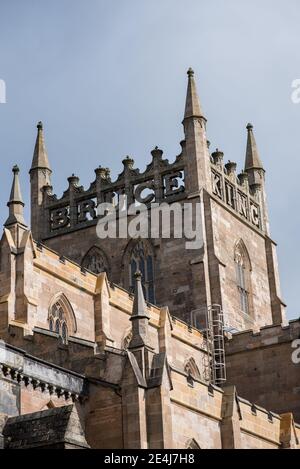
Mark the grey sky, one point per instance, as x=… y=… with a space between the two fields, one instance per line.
x=108 y=78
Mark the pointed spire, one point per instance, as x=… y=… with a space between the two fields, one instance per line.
x=15 y=194
x=139 y=305
x=198 y=171
x=253 y=160
x=140 y=316
x=40 y=156
x=192 y=105
x=15 y=203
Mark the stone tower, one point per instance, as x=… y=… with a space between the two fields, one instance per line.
x=234 y=264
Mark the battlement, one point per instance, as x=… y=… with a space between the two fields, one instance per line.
x=267 y=424
x=49 y=261
x=263 y=337
x=160 y=182
x=234 y=190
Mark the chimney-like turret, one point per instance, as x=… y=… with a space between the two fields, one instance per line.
x=256 y=175
x=15 y=203
x=15 y=222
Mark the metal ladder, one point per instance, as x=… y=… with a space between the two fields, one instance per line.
x=215 y=365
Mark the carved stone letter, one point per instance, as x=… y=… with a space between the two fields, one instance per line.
x=86 y=207
x=216 y=183
x=60 y=218
x=229 y=195
x=242 y=205
x=172 y=185
x=254 y=215
x=140 y=188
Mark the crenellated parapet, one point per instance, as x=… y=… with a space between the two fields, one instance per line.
x=162 y=181
x=234 y=190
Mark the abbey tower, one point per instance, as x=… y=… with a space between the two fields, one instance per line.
x=144 y=342
x=235 y=266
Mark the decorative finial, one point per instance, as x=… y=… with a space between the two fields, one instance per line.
x=138 y=275
x=16 y=169
x=231 y=167
x=40 y=125
x=190 y=72
x=157 y=152
x=128 y=162
x=217 y=157
x=249 y=127
x=73 y=180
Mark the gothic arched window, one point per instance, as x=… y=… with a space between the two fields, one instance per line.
x=243 y=276
x=61 y=318
x=142 y=259
x=57 y=322
x=95 y=260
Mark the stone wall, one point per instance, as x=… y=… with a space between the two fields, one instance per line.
x=260 y=365
x=178 y=278
x=180 y=412
x=226 y=230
